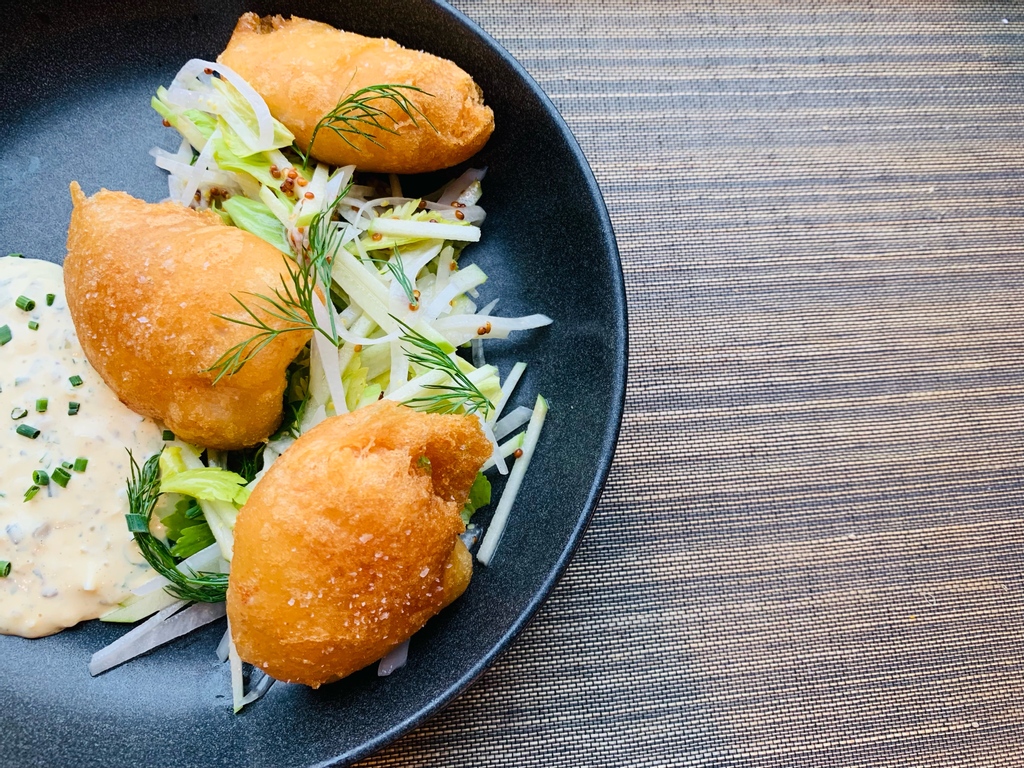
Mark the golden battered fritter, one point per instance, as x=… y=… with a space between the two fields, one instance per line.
x=349 y=543
x=303 y=68
x=143 y=283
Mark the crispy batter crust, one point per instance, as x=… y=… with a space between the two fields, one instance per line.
x=143 y=283
x=303 y=68
x=349 y=544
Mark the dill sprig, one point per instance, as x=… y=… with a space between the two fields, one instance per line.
x=325 y=239
x=461 y=393
x=143 y=492
x=358 y=115
x=394 y=266
x=296 y=396
x=292 y=304
x=250 y=461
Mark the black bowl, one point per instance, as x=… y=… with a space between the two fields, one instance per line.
x=75 y=83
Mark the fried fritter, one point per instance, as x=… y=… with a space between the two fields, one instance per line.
x=144 y=282
x=303 y=68
x=349 y=543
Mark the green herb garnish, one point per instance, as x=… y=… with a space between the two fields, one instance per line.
x=25 y=303
x=459 y=394
x=5 y=569
x=187 y=529
x=143 y=492
x=76 y=380
x=26 y=430
x=61 y=477
x=292 y=304
x=479 y=496
x=394 y=266
x=5 y=334
x=357 y=115
x=249 y=461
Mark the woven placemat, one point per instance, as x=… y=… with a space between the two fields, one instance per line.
x=810 y=549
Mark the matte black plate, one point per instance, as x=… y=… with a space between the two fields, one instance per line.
x=75 y=84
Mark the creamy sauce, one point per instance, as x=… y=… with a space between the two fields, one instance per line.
x=71 y=555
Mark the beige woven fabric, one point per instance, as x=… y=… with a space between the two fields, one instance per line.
x=810 y=549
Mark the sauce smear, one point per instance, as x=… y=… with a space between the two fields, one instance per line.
x=72 y=557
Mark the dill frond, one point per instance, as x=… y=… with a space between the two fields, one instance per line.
x=292 y=303
x=358 y=115
x=460 y=394
x=394 y=266
x=143 y=492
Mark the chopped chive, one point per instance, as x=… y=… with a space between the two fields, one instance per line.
x=50 y=299
x=81 y=463
x=15 y=256
x=67 y=464
x=76 y=380
x=39 y=477
x=26 y=430
x=18 y=413
x=168 y=435
x=41 y=404
x=137 y=523
x=5 y=569
x=25 y=303
x=31 y=492
x=33 y=325
x=73 y=408
x=5 y=334
x=61 y=476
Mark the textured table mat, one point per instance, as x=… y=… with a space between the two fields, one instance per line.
x=810 y=548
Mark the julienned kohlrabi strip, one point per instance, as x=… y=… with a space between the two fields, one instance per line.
x=515 y=480
x=170 y=623
x=424 y=230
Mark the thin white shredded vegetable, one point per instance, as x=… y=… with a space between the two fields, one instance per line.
x=509 y=447
x=237 y=681
x=223 y=647
x=515 y=480
x=456 y=189
x=258 y=689
x=167 y=625
x=195 y=68
x=395 y=659
x=507 y=388
x=496 y=457
x=512 y=422
x=425 y=230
